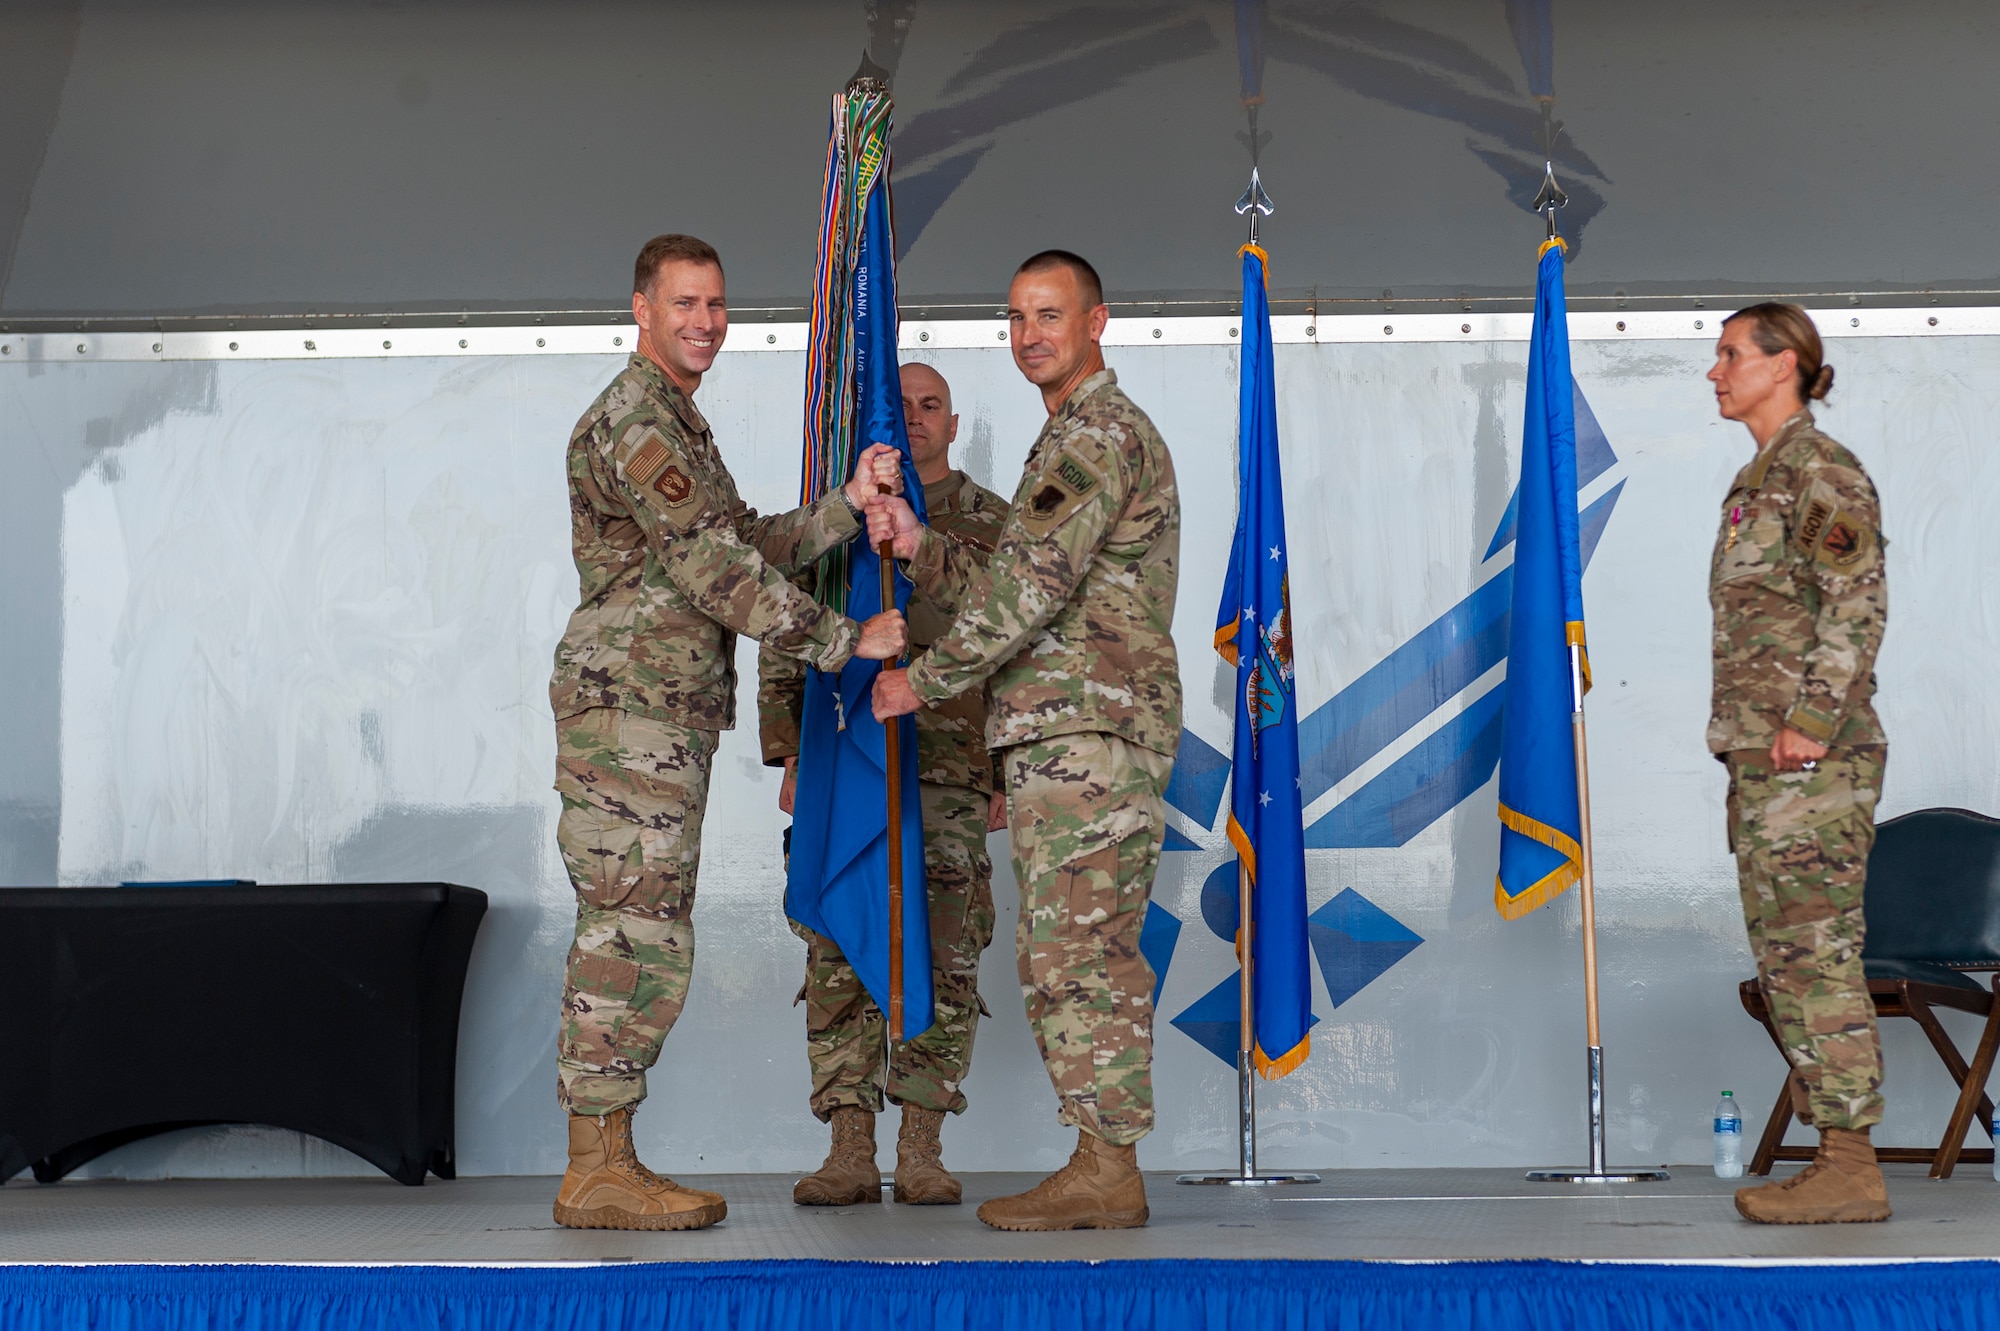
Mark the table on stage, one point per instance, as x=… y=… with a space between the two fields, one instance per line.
x=330 y=1010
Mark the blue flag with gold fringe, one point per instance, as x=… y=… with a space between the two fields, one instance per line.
x=1541 y=823
x=837 y=877
x=1253 y=632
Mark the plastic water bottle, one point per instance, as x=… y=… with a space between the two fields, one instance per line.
x=1728 y=1138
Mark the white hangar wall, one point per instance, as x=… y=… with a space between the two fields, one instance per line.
x=301 y=624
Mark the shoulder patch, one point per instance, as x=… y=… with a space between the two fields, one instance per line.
x=1846 y=543
x=675 y=486
x=1812 y=523
x=1065 y=483
x=647 y=463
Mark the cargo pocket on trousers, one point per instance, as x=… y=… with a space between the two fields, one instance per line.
x=609 y=978
x=1090 y=885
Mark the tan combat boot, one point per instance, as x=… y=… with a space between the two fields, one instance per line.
x=1842 y=1184
x=1100 y=1188
x=921 y=1179
x=606 y=1187
x=849 y=1174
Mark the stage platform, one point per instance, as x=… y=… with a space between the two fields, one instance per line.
x=1444 y=1249
x=1393 y=1215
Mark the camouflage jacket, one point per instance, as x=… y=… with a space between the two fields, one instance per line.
x=1800 y=597
x=951 y=737
x=673 y=565
x=1072 y=616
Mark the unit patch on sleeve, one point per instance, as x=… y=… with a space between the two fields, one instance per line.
x=675 y=487
x=1846 y=544
x=1065 y=484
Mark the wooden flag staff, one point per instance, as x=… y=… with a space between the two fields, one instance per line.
x=1550 y=199
x=892 y=746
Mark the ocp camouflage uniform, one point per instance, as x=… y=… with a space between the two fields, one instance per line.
x=1800 y=601
x=1070 y=625
x=844 y=1027
x=672 y=566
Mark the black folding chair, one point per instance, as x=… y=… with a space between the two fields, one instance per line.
x=1933 y=907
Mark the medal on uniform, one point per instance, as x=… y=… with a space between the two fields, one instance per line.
x=1735 y=517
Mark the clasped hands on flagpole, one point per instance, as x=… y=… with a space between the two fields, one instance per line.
x=877 y=483
x=893 y=522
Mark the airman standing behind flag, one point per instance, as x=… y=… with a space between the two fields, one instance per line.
x=853 y=1072
x=1070 y=621
x=672 y=566
x=1800 y=595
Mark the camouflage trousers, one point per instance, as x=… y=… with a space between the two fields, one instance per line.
x=1087 y=820
x=1801 y=841
x=633 y=791
x=845 y=1030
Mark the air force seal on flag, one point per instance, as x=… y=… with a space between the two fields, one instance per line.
x=1267 y=691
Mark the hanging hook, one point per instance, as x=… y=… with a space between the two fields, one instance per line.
x=1255 y=202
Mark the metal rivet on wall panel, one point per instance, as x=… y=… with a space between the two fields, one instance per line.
x=232 y=347
x=770 y=337
x=1232 y=332
x=1697 y=323
x=81 y=348
x=1156 y=333
x=461 y=344
x=1388 y=330
x=540 y=343
x=385 y=346
x=619 y=342
x=1465 y=328
x=1854 y=323
x=1311 y=331
x=310 y=345
x=923 y=337
x=156 y=346
x=8 y=351
x=1003 y=335
x=1934 y=321
x=1621 y=325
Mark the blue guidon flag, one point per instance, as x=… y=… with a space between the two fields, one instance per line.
x=1253 y=632
x=1541 y=823
x=837 y=882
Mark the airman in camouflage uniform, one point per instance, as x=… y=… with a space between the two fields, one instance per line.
x=671 y=565
x=1800 y=602
x=845 y=1030
x=1069 y=625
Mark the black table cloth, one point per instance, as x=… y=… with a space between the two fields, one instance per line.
x=333 y=1011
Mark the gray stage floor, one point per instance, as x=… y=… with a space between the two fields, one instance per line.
x=1439 y=1214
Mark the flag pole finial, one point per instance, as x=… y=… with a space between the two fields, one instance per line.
x=1255 y=202
x=868 y=77
x=1551 y=196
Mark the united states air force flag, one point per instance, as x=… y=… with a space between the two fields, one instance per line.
x=837 y=883
x=1254 y=633
x=1541 y=825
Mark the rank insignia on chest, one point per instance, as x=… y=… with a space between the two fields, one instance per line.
x=674 y=486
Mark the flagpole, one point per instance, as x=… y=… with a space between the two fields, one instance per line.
x=1255 y=203
x=892 y=745
x=1548 y=200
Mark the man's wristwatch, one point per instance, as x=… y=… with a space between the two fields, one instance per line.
x=848 y=500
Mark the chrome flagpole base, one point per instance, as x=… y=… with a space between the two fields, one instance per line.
x=1247 y=1175
x=1597 y=1173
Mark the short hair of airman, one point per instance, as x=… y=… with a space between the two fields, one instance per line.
x=1776 y=328
x=1086 y=276
x=666 y=249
